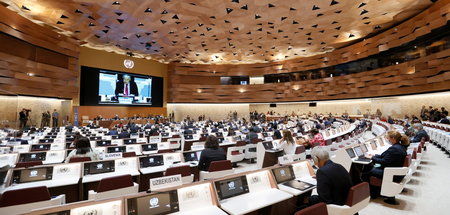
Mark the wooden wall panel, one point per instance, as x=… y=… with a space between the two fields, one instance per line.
x=426 y=74
x=36 y=61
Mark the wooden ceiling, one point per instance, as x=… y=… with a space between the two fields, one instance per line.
x=218 y=31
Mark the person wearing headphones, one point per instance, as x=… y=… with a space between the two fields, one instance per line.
x=333 y=180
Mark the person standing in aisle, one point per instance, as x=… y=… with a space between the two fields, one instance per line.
x=55 y=116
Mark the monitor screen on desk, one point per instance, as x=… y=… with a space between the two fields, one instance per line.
x=32 y=175
x=46 y=140
x=129 y=141
x=103 y=142
x=231 y=187
x=150 y=147
x=283 y=174
x=50 y=137
x=188 y=137
x=40 y=147
x=190 y=156
x=38 y=156
x=99 y=167
x=359 y=151
x=157 y=160
x=115 y=149
x=268 y=144
x=220 y=139
x=165 y=134
x=155 y=204
x=350 y=152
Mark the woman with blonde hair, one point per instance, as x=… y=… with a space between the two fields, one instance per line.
x=287 y=143
x=394 y=156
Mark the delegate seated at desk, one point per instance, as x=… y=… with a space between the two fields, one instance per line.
x=211 y=153
x=420 y=133
x=394 y=156
x=287 y=143
x=333 y=180
x=126 y=86
x=83 y=149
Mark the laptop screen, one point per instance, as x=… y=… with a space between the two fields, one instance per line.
x=115 y=149
x=350 y=152
x=231 y=187
x=359 y=151
x=268 y=144
x=283 y=174
x=159 y=203
x=38 y=156
x=150 y=147
x=99 y=167
x=190 y=156
x=150 y=161
x=31 y=175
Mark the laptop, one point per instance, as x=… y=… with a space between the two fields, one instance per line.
x=350 y=153
x=360 y=154
x=285 y=176
x=268 y=145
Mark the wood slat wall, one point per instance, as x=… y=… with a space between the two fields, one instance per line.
x=434 y=17
x=427 y=74
x=28 y=48
x=430 y=73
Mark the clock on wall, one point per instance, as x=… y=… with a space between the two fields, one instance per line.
x=128 y=63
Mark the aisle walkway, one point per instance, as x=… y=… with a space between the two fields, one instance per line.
x=428 y=192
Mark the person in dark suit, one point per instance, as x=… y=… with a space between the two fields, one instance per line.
x=252 y=135
x=113 y=131
x=394 y=156
x=126 y=86
x=124 y=134
x=420 y=133
x=18 y=138
x=211 y=153
x=333 y=180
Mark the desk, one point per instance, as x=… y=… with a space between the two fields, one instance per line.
x=203 y=210
x=158 y=171
x=69 y=187
x=271 y=158
x=90 y=182
x=249 y=202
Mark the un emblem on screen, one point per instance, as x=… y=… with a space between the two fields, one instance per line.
x=128 y=63
x=154 y=202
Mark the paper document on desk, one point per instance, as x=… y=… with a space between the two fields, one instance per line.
x=308 y=179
